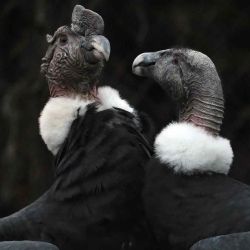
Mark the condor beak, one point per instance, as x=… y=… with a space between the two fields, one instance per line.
x=145 y=62
x=101 y=47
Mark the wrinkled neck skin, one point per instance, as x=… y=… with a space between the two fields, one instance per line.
x=203 y=107
x=88 y=93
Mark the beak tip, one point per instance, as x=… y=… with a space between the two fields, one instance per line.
x=137 y=60
x=102 y=45
x=136 y=69
x=106 y=51
x=106 y=57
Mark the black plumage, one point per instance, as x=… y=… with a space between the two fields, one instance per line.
x=95 y=200
x=184 y=209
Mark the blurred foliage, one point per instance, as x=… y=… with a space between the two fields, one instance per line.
x=218 y=28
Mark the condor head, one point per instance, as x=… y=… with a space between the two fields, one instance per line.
x=76 y=55
x=190 y=78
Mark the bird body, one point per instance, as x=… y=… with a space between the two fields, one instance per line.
x=186 y=188
x=95 y=200
x=188 y=195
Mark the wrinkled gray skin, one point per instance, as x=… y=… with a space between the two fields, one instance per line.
x=191 y=79
x=75 y=56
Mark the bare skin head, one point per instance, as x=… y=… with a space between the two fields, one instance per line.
x=76 y=55
x=191 y=79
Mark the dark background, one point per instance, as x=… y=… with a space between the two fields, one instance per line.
x=217 y=28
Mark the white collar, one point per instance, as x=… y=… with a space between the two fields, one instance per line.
x=189 y=149
x=59 y=113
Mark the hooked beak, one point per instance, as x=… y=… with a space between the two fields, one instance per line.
x=101 y=47
x=145 y=61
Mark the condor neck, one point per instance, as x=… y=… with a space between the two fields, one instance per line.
x=60 y=90
x=203 y=110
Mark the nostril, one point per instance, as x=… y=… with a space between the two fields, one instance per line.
x=86 y=45
x=145 y=63
x=82 y=45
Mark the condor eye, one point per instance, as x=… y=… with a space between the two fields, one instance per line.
x=63 y=39
x=175 y=61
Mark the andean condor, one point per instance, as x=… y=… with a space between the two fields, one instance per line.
x=99 y=147
x=188 y=195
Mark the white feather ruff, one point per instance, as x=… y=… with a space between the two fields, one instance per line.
x=189 y=149
x=110 y=98
x=59 y=113
x=56 y=119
